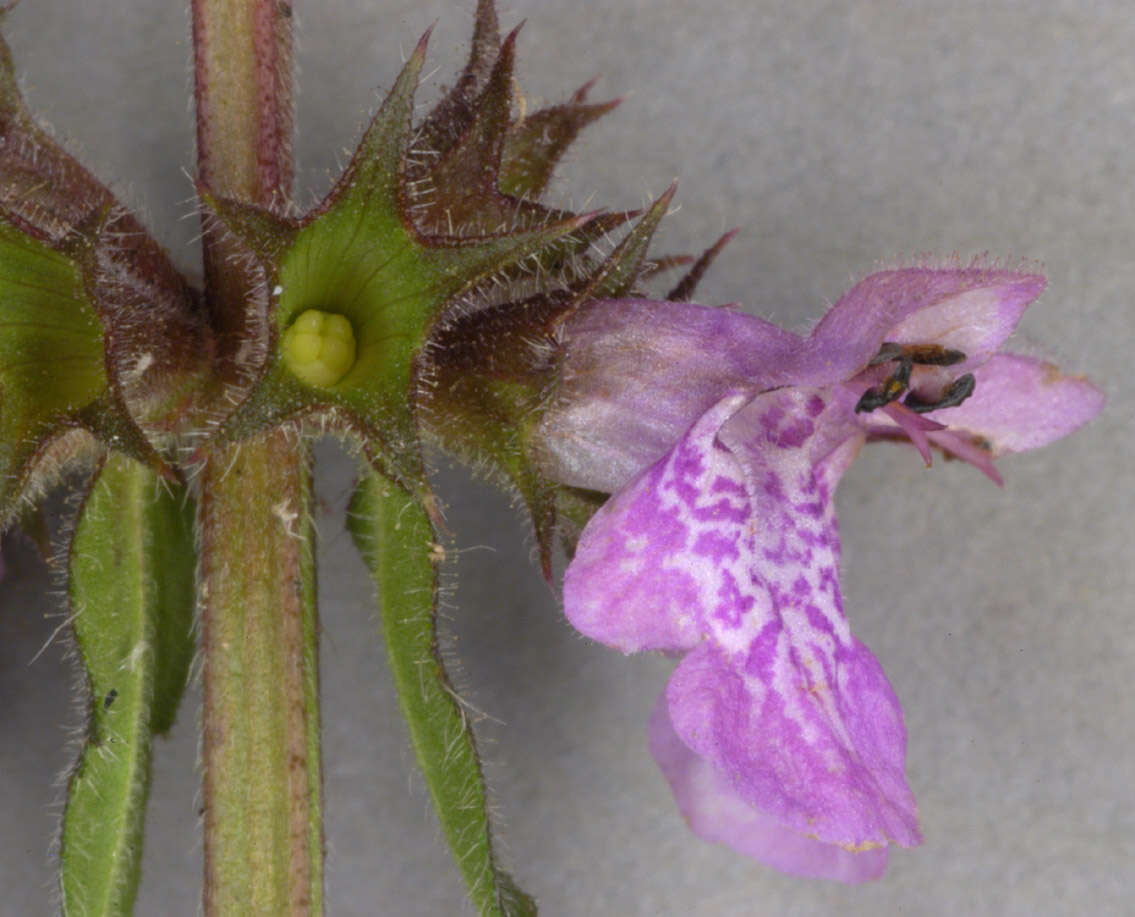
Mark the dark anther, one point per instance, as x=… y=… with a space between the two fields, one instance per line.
x=932 y=355
x=891 y=389
x=956 y=392
x=889 y=351
x=901 y=375
x=908 y=356
x=918 y=354
x=870 y=400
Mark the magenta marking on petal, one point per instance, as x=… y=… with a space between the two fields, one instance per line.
x=815 y=483
x=770 y=419
x=721 y=511
x=794 y=435
x=614 y=594
x=762 y=651
x=684 y=468
x=828 y=581
x=772 y=486
x=815 y=508
x=783 y=553
x=726 y=485
x=733 y=604
x=646 y=517
x=716 y=547
x=817 y=618
x=664 y=554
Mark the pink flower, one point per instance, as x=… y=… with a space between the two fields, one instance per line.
x=722 y=439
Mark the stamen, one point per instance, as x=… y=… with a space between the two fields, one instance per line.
x=932 y=355
x=889 y=351
x=968 y=449
x=894 y=385
x=918 y=354
x=909 y=356
x=871 y=400
x=956 y=392
x=914 y=427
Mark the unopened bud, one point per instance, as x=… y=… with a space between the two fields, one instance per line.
x=319 y=347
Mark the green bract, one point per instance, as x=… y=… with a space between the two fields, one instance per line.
x=432 y=251
x=51 y=352
x=53 y=362
x=371 y=255
x=98 y=331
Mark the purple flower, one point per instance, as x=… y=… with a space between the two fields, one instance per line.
x=722 y=439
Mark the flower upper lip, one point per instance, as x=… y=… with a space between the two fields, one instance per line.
x=637 y=373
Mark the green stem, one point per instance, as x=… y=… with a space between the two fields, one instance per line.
x=263 y=835
x=260 y=747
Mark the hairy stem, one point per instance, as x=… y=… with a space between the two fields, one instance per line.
x=242 y=63
x=260 y=747
x=243 y=88
x=263 y=836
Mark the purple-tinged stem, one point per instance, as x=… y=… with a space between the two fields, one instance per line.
x=242 y=60
x=260 y=744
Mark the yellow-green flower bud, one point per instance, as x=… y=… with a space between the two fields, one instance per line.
x=319 y=347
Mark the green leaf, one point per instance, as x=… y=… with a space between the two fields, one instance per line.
x=132 y=572
x=154 y=341
x=394 y=534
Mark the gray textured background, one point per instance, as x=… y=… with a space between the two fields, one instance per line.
x=834 y=134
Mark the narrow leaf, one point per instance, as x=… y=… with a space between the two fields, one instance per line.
x=132 y=567
x=393 y=533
